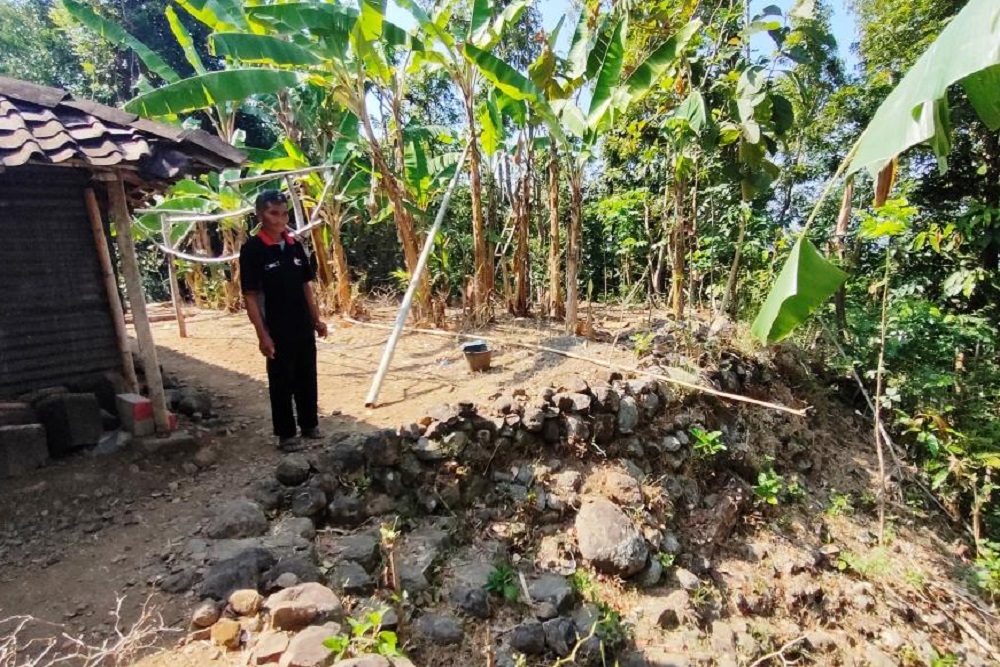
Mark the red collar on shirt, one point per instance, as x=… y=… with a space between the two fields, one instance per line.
x=263 y=236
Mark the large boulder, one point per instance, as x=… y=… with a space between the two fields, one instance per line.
x=240 y=518
x=609 y=540
x=242 y=571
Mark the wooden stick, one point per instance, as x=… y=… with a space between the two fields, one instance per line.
x=598 y=362
x=137 y=301
x=111 y=288
x=175 y=290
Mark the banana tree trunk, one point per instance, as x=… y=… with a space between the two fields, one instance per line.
x=679 y=248
x=728 y=299
x=344 y=295
x=556 y=306
x=483 y=281
x=573 y=248
x=521 y=272
x=843 y=221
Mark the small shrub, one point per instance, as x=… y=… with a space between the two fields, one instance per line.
x=642 y=344
x=367 y=637
x=503 y=582
x=840 y=504
x=769 y=486
x=707 y=444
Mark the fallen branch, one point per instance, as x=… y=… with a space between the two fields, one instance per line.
x=596 y=362
x=779 y=654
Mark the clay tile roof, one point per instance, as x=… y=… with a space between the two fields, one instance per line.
x=46 y=125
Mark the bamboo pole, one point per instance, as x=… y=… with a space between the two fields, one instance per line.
x=133 y=286
x=404 y=309
x=111 y=288
x=175 y=290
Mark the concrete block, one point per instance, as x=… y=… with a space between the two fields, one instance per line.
x=17 y=414
x=135 y=413
x=71 y=421
x=173 y=443
x=22 y=449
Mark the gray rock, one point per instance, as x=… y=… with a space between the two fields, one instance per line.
x=439 y=629
x=577 y=428
x=240 y=518
x=609 y=540
x=670 y=443
x=474 y=602
x=455 y=443
x=628 y=415
x=686 y=579
x=554 y=589
x=302 y=527
x=344 y=453
x=306 y=649
x=683 y=438
x=429 y=451
x=560 y=636
x=383 y=448
x=346 y=510
x=363 y=548
x=534 y=418
x=723 y=638
x=206 y=614
x=303 y=569
x=293 y=470
x=351 y=578
x=178 y=582
x=241 y=571
x=420 y=551
x=308 y=502
x=270 y=494
x=607 y=399
x=604 y=428
x=544 y=611
x=528 y=638
x=650 y=403
x=550 y=431
x=189 y=401
x=585 y=618
x=652 y=574
x=573 y=403
x=566 y=482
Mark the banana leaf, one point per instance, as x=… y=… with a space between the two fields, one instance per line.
x=968 y=46
x=263 y=49
x=649 y=71
x=115 y=33
x=607 y=76
x=207 y=90
x=805 y=282
x=511 y=82
x=183 y=38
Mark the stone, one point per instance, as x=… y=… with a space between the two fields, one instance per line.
x=628 y=415
x=270 y=494
x=585 y=618
x=455 y=443
x=617 y=487
x=293 y=470
x=534 y=418
x=579 y=386
x=227 y=632
x=308 y=502
x=609 y=540
x=669 y=544
x=363 y=548
x=606 y=399
x=471 y=601
x=802 y=592
x=292 y=616
x=669 y=612
x=572 y=403
x=71 y=421
x=567 y=481
x=604 y=428
x=306 y=649
x=439 y=629
x=240 y=518
x=383 y=448
x=269 y=647
x=528 y=638
x=560 y=636
x=650 y=403
x=241 y=571
x=351 y=578
x=723 y=638
x=420 y=550
x=346 y=510
x=554 y=589
x=652 y=574
x=670 y=443
x=300 y=568
x=23 y=448
x=246 y=602
x=135 y=412
x=686 y=579
x=178 y=582
x=550 y=432
x=544 y=611
x=343 y=453
x=327 y=604
x=374 y=661
x=577 y=428
x=205 y=614
x=302 y=527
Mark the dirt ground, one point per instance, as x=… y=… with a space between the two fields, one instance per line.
x=81 y=531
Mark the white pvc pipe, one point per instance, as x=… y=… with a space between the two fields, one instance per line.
x=404 y=309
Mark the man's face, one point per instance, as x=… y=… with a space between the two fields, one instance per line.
x=274 y=218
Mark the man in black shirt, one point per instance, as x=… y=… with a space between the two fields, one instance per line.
x=275 y=276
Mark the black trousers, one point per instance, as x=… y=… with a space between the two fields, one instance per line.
x=291 y=375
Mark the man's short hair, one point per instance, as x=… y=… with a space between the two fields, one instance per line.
x=268 y=197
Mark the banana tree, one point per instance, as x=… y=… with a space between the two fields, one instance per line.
x=596 y=60
x=915 y=112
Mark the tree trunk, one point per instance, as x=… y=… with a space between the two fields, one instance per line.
x=482 y=284
x=840 y=239
x=728 y=299
x=344 y=295
x=556 y=306
x=573 y=248
x=523 y=220
x=679 y=247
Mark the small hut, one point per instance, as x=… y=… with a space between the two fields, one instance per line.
x=70 y=168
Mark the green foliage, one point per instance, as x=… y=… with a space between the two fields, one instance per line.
x=874 y=564
x=666 y=560
x=707 y=444
x=366 y=637
x=503 y=582
x=840 y=505
x=769 y=486
x=642 y=343
x=986 y=570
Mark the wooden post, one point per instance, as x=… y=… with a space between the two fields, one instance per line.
x=137 y=301
x=110 y=286
x=175 y=290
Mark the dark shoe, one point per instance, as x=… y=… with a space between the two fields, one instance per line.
x=312 y=433
x=290 y=444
